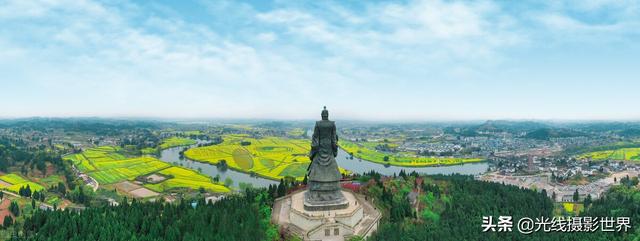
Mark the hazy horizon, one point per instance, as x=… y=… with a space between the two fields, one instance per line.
x=311 y=119
x=414 y=60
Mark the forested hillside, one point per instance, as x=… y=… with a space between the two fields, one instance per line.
x=238 y=217
x=466 y=201
x=414 y=207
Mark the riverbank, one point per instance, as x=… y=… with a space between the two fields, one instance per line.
x=176 y=142
x=367 y=154
x=172 y=155
x=238 y=175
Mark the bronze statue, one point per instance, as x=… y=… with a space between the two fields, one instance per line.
x=323 y=180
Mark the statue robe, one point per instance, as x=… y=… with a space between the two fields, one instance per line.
x=324 y=149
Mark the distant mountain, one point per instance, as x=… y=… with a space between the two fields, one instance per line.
x=548 y=133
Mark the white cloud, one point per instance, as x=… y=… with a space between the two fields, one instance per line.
x=410 y=59
x=267 y=37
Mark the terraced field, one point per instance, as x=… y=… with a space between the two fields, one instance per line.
x=622 y=154
x=367 y=151
x=17 y=182
x=270 y=157
x=108 y=165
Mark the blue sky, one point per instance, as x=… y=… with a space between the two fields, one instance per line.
x=379 y=60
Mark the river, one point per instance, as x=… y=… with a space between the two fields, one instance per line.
x=361 y=166
x=172 y=155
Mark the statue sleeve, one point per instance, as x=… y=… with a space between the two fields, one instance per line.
x=335 y=141
x=314 y=142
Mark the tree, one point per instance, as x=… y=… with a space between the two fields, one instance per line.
x=236 y=217
x=576 y=196
x=385 y=158
x=8 y=221
x=61 y=189
x=228 y=182
x=356 y=238
x=587 y=201
x=282 y=189
x=27 y=191
x=14 y=208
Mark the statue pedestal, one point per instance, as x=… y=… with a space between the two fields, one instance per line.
x=333 y=200
x=354 y=217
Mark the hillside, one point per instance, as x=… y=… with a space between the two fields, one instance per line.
x=548 y=133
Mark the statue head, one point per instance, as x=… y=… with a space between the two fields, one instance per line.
x=325 y=114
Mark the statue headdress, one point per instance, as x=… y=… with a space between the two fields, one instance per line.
x=325 y=114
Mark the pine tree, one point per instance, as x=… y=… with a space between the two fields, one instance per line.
x=8 y=221
x=27 y=191
x=14 y=208
x=282 y=189
x=587 y=201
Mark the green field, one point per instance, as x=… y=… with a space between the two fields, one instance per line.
x=296 y=132
x=185 y=178
x=53 y=200
x=51 y=181
x=270 y=157
x=18 y=181
x=149 y=151
x=108 y=165
x=622 y=154
x=366 y=151
x=176 y=141
x=192 y=133
x=127 y=169
x=13 y=178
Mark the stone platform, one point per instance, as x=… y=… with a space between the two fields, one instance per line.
x=358 y=217
x=339 y=203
